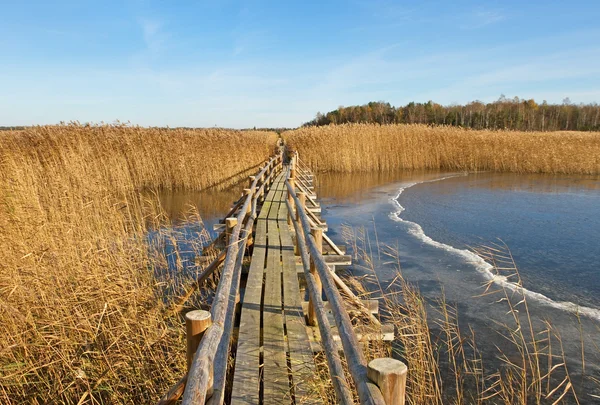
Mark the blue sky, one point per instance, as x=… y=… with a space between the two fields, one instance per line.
x=276 y=63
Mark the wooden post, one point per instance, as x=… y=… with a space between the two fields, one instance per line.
x=230 y=223
x=317 y=234
x=302 y=198
x=293 y=170
x=251 y=180
x=196 y=322
x=390 y=376
x=290 y=198
x=248 y=191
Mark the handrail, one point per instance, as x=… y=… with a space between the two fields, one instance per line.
x=336 y=371
x=220 y=364
x=220 y=368
x=200 y=374
x=357 y=364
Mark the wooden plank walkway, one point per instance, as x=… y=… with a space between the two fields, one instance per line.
x=274 y=362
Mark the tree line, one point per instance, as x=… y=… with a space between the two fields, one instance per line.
x=504 y=113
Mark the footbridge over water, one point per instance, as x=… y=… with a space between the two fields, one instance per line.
x=279 y=304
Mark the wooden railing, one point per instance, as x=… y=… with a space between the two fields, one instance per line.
x=209 y=333
x=380 y=382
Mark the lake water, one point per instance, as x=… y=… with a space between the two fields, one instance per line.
x=551 y=224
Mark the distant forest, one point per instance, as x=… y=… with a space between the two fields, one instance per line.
x=504 y=113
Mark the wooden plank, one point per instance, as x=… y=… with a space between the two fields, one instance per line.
x=371 y=305
x=275 y=374
x=300 y=352
x=246 y=380
x=334 y=260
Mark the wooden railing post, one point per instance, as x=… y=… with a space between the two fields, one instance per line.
x=293 y=169
x=302 y=198
x=390 y=376
x=196 y=322
x=251 y=180
x=230 y=223
x=317 y=234
x=290 y=198
x=262 y=184
x=247 y=191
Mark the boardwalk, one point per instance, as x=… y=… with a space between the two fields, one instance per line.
x=277 y=228
x=272 y=314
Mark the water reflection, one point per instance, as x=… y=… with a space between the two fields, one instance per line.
x=354 y=187
x=211 y=204
x=537 y=183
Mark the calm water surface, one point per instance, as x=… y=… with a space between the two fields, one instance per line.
x=550 y=223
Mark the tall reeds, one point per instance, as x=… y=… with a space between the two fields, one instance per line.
x=373 y=147
x=82 y=318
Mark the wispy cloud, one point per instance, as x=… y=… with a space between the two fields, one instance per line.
x=153 y=34
x=481 y=18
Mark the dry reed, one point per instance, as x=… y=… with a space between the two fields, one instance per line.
x=372 y=147
x=81 y=310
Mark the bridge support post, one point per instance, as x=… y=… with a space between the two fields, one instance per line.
x=390 y=376
x=196 y=322
x=317 y=234
x=302 y=198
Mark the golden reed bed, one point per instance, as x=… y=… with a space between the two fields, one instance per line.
x=373 y=147
x=80 y=311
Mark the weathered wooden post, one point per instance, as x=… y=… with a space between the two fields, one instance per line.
x=196 y=322
x=390 y=376
x=302 y=198
x=290 y=198
x=247 y=192
x=230 y=223
x=317 y=234
x=251 y=180
x=262 y=184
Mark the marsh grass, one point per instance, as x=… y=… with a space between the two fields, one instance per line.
x=82 y=291
x=385 y=148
